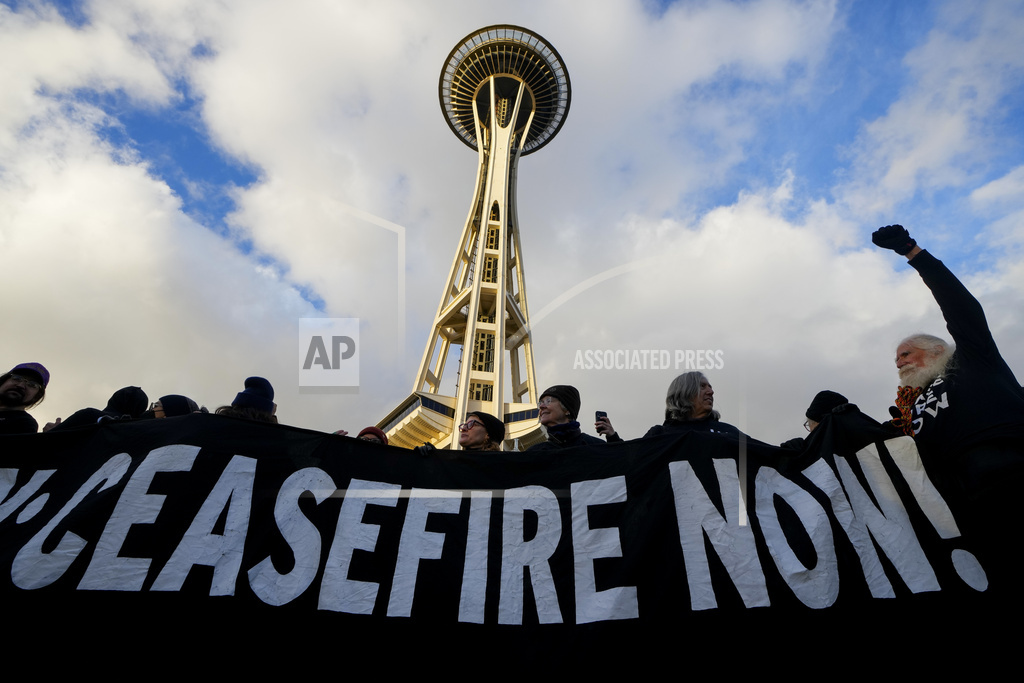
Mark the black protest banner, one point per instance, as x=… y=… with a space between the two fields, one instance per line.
x=210 y=525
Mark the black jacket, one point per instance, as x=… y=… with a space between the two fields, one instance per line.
x=707 y=424
x=566 y=436
x=970 y=422
x=17 y=422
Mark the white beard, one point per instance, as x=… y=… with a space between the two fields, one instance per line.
x=914 y=376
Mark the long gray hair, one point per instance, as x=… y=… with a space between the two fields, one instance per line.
x=682 y=397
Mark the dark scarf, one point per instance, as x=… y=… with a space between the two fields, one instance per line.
x=566 y=432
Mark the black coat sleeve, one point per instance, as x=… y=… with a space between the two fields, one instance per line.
x=964 y=316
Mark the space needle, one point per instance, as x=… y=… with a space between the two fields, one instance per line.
x=504 y=92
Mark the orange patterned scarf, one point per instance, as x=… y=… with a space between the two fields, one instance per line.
x=905 y=399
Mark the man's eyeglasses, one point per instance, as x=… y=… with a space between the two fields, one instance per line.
x=30 y=383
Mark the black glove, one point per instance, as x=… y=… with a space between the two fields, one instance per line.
x=894 y=237
x=425 y=449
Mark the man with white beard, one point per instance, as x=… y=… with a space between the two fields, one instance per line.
x=962 y=404
x=956 y=399
x=921 y=358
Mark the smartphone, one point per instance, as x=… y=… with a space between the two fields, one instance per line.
x=600 y=414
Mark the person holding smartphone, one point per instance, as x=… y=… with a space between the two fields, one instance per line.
x=557 y=408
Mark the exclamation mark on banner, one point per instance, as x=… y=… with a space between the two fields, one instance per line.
x=908 y=460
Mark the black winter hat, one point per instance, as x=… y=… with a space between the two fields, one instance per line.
x=823 y=404
x=495 y=427
x=127 y=401
x=175 y=405
x=568 y=396
x=258 y=394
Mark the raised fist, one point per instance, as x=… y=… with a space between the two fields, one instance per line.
x=894 y=237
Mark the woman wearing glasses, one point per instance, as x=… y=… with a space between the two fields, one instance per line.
x=557 y=409
x=481 y=432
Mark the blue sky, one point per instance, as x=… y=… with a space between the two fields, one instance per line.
x=174 y=142
x=181 y=182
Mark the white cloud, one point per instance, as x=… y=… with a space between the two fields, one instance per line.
x=939 y=134
x=119 y=287
x=40 y=53
x=1007 y=189
x=791 y=315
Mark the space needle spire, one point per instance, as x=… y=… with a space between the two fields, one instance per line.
x=505 y=93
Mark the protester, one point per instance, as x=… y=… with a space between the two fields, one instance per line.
x=127 y=403
x=255 y=402
x=557 y=408
x=22 y=388
x=373 y=435
x=481 y=432
x=962 y=404
x=689 y=406
x=173 y=405
x=823 y=403
x=962 y=401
